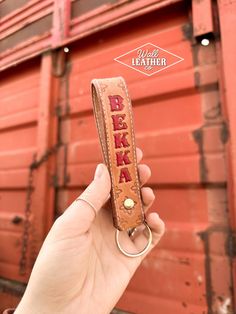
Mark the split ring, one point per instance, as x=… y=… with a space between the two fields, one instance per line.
x=149 y=242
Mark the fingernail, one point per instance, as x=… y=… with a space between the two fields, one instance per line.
x=99 y=171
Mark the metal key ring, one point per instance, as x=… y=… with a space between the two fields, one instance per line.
x=139 y=253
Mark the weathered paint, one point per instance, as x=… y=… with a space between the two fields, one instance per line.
x=62 y=29
x=61 y=20
x=18 y=143
x=170 y=111
x=202 y=17
x=227 y=52
x=26 y=116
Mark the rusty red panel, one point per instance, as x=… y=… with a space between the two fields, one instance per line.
x=227 y=17
x=168 y=113
x=43 y=196
x=36 y=26
x=61 y=18
x=25 y=32
x=202 y=17
x=26 y=95
x=18 y=115
x=112 y=14
x=8 y=300
x=179 y=127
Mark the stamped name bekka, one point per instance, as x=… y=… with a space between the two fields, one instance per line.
x=120 y=130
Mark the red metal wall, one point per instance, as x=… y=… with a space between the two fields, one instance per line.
x=19 y=93
x=26 y=131
x=180 y=125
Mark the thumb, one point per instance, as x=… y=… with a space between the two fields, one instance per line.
x=80 y=214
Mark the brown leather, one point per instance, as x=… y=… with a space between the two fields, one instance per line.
x=113 y=112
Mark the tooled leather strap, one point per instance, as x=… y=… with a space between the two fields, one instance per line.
x=113 y=112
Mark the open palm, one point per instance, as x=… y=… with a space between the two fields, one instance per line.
x=79 y=268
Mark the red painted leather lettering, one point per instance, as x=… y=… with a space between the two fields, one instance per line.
x=124 y=175
x=116 y=102
x=118 y=123
x=121 y=140
x=122 y=158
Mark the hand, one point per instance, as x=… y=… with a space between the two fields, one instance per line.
x=79 y=268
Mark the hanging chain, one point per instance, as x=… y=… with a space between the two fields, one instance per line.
x=25 y=237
